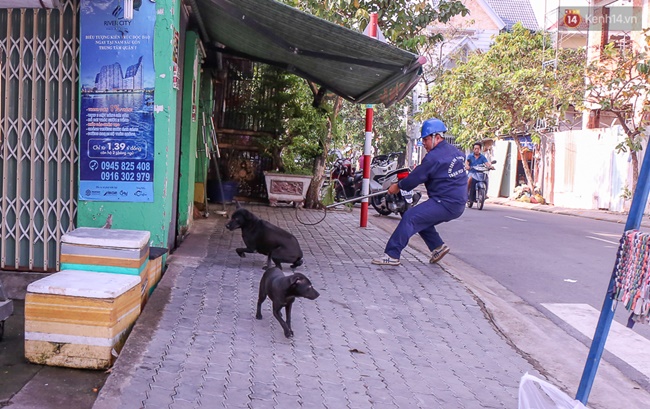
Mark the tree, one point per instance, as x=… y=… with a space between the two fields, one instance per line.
x=403 y=23
x=439 y=58
x=282 y=102
x=389 y=127
x=619 y=83
x=506 y=90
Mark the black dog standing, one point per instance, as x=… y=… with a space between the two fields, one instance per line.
x=283 y=290
x=265 y=238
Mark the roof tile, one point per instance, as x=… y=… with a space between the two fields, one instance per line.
x=513 y=11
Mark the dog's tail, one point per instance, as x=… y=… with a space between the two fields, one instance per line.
x=296 y=263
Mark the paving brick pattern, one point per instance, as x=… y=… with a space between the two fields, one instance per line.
x=377 y=337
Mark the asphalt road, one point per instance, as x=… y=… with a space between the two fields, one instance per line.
x=541 y=257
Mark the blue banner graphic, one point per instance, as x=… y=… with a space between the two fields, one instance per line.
x=116 y=149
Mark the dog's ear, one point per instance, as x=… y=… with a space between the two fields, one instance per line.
x=237 y=205
x=298 y=278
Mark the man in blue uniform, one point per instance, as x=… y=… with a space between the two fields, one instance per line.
x=443 y=173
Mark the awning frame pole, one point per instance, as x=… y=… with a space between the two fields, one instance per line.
x=607 y=312
x=367 y=146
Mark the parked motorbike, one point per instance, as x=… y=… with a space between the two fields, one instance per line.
x=481 y=177
x=398 y=203
x=347 y=183
x=339 y=179
x=380 y=166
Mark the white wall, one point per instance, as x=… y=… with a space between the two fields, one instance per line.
x=589 y=173
x=505 y=153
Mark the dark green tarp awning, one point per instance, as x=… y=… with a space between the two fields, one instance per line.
x=358 y=68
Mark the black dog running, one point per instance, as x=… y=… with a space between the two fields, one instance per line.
x=265 y=238
x=282 y=291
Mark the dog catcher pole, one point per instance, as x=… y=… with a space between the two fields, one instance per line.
x=356 y=199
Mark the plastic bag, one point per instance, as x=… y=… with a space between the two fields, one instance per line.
x=535 y=393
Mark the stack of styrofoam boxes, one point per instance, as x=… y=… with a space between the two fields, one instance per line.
x=80 y=317
x=108 y=251
x=155 y=268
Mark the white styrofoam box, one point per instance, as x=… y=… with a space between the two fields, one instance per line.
x=99 y=237
x=74 y=283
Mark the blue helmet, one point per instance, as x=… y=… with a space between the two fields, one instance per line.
x=432 y=126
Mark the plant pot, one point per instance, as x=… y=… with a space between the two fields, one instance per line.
x=282 y=187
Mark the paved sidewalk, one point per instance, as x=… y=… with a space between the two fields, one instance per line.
x=378 y=337
x=400 y=337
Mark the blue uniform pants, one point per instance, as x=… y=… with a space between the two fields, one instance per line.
x=422 y=219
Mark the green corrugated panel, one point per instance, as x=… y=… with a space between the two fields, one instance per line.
x=356 y=67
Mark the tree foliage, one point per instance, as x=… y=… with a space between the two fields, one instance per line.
x=618 y=82
x=403 y=23
x=283 y=102
x=389 y=127
x=505 y=91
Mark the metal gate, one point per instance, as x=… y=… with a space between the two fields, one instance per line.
x=38 y=128
x=246 y=113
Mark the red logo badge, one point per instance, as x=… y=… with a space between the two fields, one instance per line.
x=572 y=18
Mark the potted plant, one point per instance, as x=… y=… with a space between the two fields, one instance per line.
x=287 y=187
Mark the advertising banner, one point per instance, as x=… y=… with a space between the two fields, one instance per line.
x=116 y=149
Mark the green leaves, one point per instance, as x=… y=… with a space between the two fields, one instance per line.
x=401 y=21
x=507 y=89
x=618 y=82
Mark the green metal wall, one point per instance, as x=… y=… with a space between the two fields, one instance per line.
x=38 y=137
x=157 y=217
x=192 y=119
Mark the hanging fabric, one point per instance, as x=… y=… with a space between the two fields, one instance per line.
x=632 y=283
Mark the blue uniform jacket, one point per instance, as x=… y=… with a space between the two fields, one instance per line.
x=443 y=173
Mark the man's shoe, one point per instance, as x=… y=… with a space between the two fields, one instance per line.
x=439 y=253
x=386 y=260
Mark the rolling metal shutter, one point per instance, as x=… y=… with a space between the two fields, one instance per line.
x=38 y=129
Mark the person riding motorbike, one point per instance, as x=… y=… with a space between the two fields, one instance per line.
x=473 y=159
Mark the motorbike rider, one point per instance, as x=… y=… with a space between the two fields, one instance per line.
x=473 y=159
x=443 y=174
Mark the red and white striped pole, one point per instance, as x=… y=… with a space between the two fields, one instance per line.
x=367 y=146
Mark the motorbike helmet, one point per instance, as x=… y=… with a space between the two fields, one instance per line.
x=432 y=126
